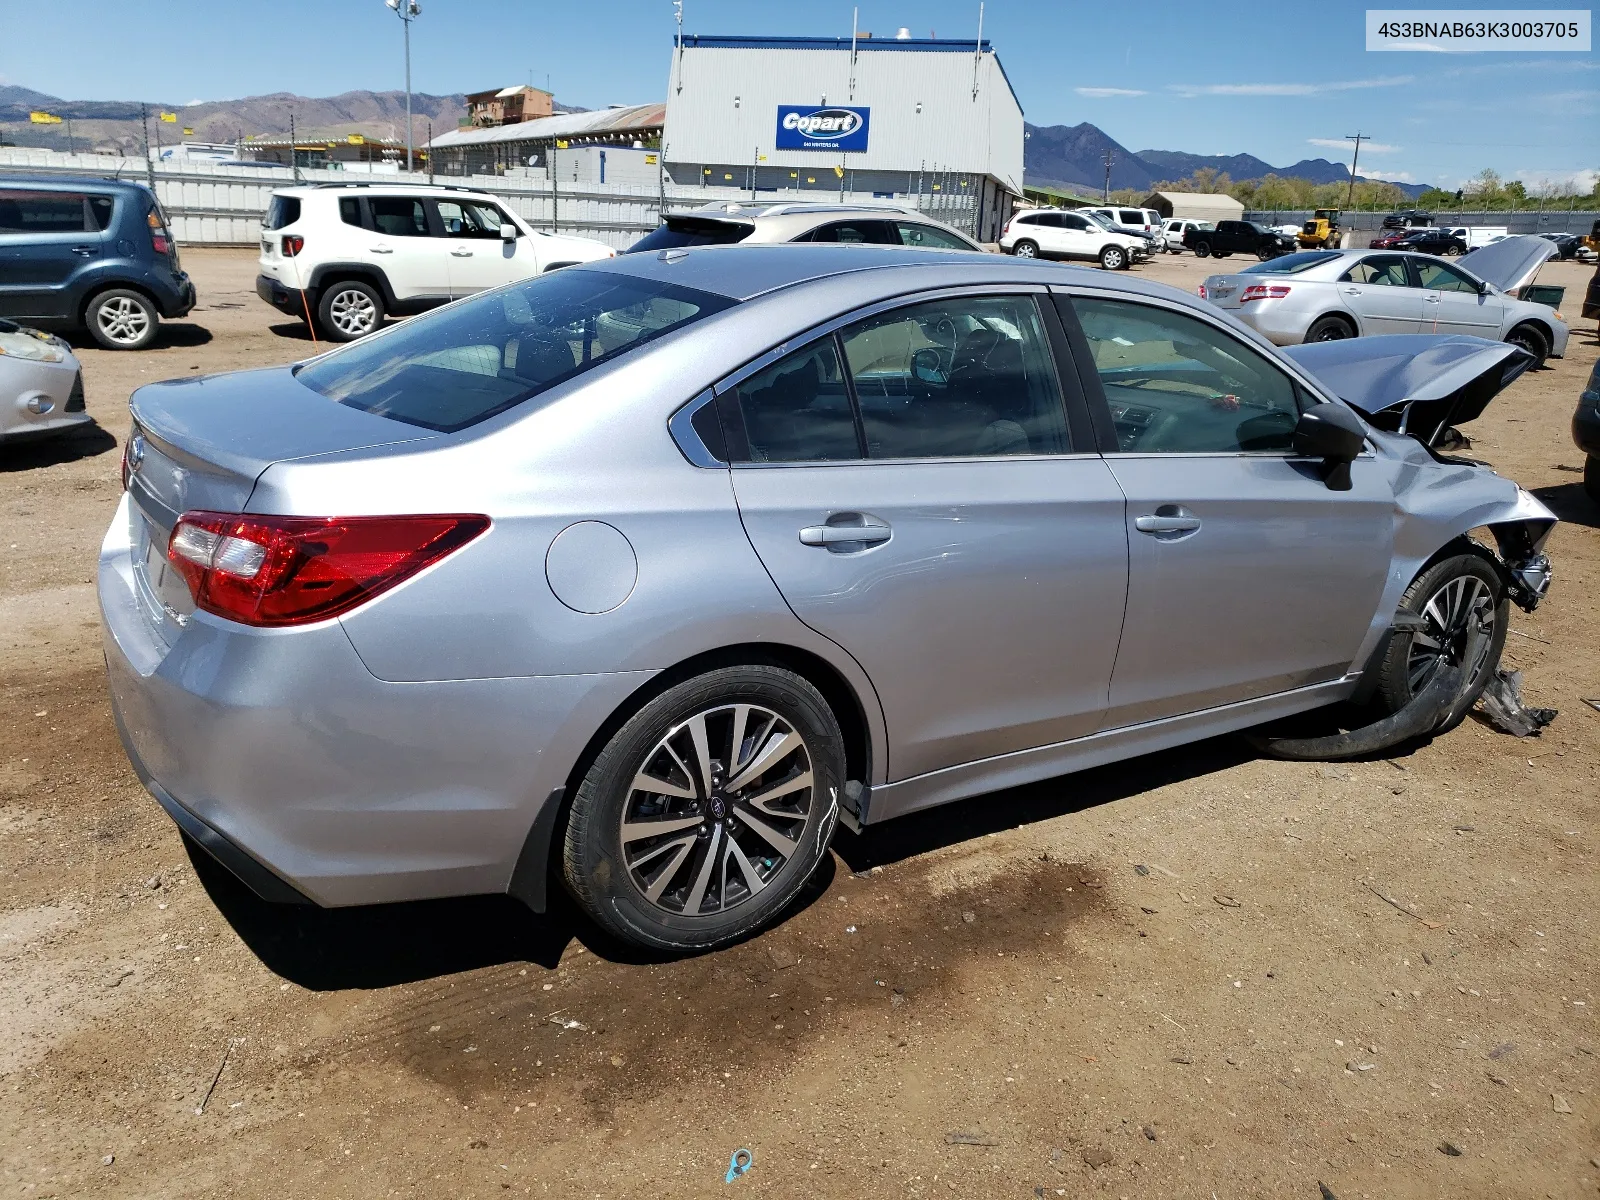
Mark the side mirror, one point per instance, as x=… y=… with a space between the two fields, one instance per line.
x=1334 y=434
x=508 y=231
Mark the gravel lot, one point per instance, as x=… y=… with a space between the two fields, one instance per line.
x=1172 y=977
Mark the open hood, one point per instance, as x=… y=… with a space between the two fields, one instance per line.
x=1510 y=263
x=1418 y=384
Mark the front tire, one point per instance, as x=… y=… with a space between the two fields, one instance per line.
x=1533 y=341
x=1113 y=258
x=122 y=319
x=707 y=812
x=349 y=309
x=1025 y=249
x=1449 y=596
x=1266 y=252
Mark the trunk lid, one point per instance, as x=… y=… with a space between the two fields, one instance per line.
x=1416 y=384
x=202 y=444
x=1224 y=290
x=1511 y=263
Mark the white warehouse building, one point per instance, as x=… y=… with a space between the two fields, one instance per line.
x=928 y=120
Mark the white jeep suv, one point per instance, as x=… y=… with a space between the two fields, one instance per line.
x=1054 y=233
x=345 y=255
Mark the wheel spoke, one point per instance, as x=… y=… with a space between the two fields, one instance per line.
x=768 y=756
x=752 y=877
x=659 y=884
x=702 y=750
x=761 y=799
x=741 y=717
x=656 y=786
x=697 y=893
x=635 y=831
x=776 y=840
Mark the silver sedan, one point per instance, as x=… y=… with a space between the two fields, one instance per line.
x=41 y=384
x=1324 y=295
x=642 y=575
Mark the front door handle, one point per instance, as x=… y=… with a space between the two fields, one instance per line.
x=1170 y=521
x=86 y=251
x=460 y=253
x=1430 y=299
x=841 y=537
x=383 y=250
x=1352 y=291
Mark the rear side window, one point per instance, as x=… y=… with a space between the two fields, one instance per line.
x=44 y=212
x=675 y=232
x=798 y=409
x=350 y=211
x=100 y=209
x=283 y=211
x=399 y=216
x=928 y=237
x=462 y=364
x=1132 y=216
x=876 y=233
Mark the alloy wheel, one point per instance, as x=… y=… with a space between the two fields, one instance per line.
x=716 y=809
x=123 y=320
x=352 y=313
x=1451 y=613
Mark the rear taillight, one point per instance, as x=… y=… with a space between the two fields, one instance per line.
x=160 y=239
x=293 y=243
x=1263 y=291
x=1201 y=291
x=262 y=570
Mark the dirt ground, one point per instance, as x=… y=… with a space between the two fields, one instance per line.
x=1172 y=977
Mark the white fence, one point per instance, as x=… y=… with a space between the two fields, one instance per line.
x=1528 y=220
x=221 y=204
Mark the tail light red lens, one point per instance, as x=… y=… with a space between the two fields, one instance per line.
x=160 y=239
x=292 y=244
x=269 y=571
x=1263 y=291
x=1201 y=291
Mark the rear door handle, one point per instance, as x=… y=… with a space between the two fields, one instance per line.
x=1352 y=291
x=86 y=251
x=1430 y=299
x=383 y=250
x=459 y=253
x=868 y=533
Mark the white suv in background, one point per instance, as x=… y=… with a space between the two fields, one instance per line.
x=1054 y=233
x=346 y=255
x=1174 y=229
x=1141 y=220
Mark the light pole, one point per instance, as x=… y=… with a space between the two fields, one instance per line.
x=408 y=11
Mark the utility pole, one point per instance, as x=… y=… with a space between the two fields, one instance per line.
x=1357 y=138
x=71 y=146
x=1105 y=192
x=294 y=158
x=430 y=150
x=149 y=167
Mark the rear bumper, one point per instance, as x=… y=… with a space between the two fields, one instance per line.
x=284 y=299
x=1279 y=326
x=1586 y=429
x=281 y=754
x=178 y=299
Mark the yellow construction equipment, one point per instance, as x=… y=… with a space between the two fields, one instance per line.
x=1322 y=232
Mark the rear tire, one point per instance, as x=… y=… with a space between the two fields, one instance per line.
x=1113 y=258
x=349 y=309
x=1202 y=249
x=122 y=319
x=700 y=862
x=1591 y=477
x=1025 y=249
x=1446 y=595
x=1531 y=339
x=1329 y=329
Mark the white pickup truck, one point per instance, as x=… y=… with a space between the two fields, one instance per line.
x=1480 y=235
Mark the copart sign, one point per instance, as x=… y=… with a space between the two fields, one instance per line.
x=829 y=128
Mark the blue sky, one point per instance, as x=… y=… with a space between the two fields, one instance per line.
x=1210 y=79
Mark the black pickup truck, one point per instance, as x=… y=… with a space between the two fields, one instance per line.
x=1243 y=237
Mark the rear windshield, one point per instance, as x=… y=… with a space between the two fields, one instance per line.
x=462 y=364
x=692 y=231
x=1292 y=264
x=283 y=211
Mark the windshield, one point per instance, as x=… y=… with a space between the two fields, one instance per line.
x=462 y=364
x=1292 y=264
x=692 y=231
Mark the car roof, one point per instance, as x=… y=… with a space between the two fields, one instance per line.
x=745 y=271
x=380 y=189
x=71 y=183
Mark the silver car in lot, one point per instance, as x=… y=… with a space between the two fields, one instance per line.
x=41 y=384
x=642 y=575
x=1325 y=295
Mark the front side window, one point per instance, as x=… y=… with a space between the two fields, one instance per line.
x=928 y=237
x=452 y=368
x=462 y=221
x=1178 y=385
x=1380 y=271
x=798 y=409
x=1072 y=221
x=1440 y=278
x=956 y=379
x=398 y=216
x=43 y=212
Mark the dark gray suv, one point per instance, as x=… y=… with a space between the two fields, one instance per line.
x=94 y=253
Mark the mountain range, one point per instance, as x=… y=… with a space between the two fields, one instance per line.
x=1061 y=155
x=1074 y=156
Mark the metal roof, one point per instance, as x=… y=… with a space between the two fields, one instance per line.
x=951 y=45
x=637 y=118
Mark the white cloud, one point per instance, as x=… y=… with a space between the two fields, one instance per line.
x=1348 y=143
x=1100 y=93
x=1562 y=182
x=1583 y=96
x=1288 y=89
